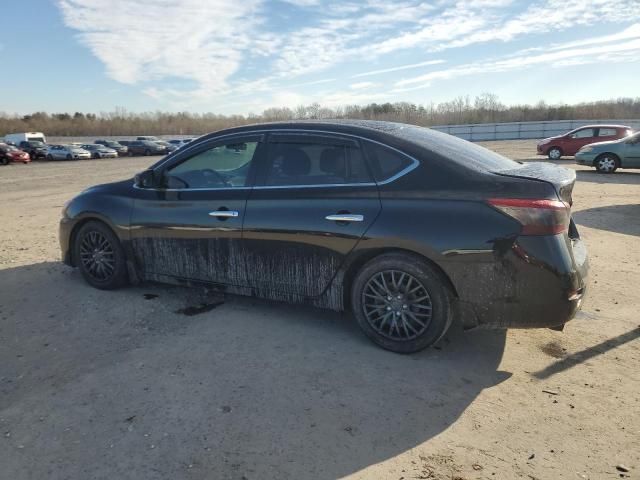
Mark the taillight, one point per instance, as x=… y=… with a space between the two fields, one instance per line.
x=537 y=217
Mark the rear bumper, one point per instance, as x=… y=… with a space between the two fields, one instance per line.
x=540 y=282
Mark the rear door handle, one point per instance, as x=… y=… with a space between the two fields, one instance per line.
x=223 y=214
x=345 y=217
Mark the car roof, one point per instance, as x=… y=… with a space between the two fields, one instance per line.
x=599 y=125
x=411 y=139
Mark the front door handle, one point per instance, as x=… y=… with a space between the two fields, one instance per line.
x=223 y=214
x=345 y=217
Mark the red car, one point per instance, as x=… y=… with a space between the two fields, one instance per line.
x=9 y=153
x=571 y=142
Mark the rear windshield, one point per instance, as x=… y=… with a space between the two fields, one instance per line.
x=457 y=150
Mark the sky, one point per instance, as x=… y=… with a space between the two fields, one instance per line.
x=244 y=56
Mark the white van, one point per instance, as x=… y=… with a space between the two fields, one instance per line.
x=16 y=138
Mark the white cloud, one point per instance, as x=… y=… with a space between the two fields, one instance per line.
x=568 y=56
x=397 y=69
x=144 y=41
x=362 y=85
x=208 y=52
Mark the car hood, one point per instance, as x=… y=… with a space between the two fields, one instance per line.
x=118 y=187
x=608 y=142
x=548 y=139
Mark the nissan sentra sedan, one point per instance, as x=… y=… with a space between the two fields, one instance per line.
x=407 y=228
x=607 y=157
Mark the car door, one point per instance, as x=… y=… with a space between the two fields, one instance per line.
x=192 y=228
x=631 y=156
x=314 y=199
x=579 y=139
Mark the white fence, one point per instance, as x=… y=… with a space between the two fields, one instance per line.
x=523 y=130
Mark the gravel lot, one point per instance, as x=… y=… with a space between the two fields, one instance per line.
x=117 y=385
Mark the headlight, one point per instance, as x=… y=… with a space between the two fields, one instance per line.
x=544 y=142
x=586 y=149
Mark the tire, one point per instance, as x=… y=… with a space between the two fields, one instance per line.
x=147 y=152
x=69 y=157
x=606 y=163
x=420 y=298
x=130 y=153
x=99 y=256
x=554 y=153
x=4 y=161
x=49 y=157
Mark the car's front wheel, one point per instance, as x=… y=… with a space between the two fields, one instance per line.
x=554 y=153
x=99 y=256
x=606 y=163
x=401 y=302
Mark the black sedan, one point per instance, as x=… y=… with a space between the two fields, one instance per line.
x=406 y=227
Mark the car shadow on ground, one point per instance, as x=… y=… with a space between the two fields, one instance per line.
x=624 y=177
x=587 y=354
x=99 y=384
x=615 y=218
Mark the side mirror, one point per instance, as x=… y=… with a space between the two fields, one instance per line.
x=145 y=179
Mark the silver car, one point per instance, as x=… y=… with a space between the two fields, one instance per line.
x=100 y=151
x=66 y=152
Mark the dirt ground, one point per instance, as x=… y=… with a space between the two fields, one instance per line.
x=117 y=385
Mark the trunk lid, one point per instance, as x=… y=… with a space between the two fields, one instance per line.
x=562 y=179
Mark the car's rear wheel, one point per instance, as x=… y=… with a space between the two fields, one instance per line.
x=49 y=157
x=147 y=152
x=99 y=256
x=401 y=303
x=606 y=163
x=4 y=161
x=554 y=153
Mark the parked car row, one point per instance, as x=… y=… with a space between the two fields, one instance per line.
x=34 y=146
x=605 y=147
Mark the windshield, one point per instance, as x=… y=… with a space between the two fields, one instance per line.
x=34 y=143
x=113 y=144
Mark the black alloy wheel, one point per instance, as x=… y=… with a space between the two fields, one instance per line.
x=397 y=305
x=401 y=302
x=99 y=256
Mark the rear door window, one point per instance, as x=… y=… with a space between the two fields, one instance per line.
x=607 y=132
x=296 y=160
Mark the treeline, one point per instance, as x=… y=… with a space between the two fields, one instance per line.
x=485 y=108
